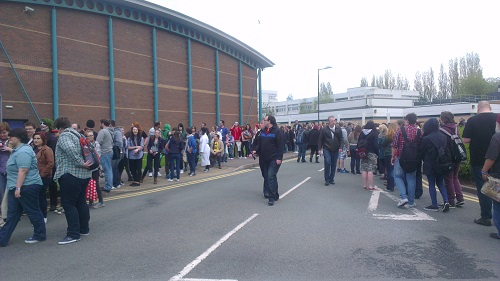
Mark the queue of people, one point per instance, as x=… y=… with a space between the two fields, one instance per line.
x=32 y=159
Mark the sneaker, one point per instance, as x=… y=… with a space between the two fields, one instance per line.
x=85 y=234
x=481 y=221
x=432 y=208
x=68 y=240
x=176 y=179
x=150 y=175
x=182 y=171
x=45 y=220
x=159 y=174
x=460 y=203
x=494 y=236
x=32 y=240
x=373 y=188
x=452 y=205
x=414 y=205
x=99 y=205
x=446 y=207
x=170 y=180
x=402 y=202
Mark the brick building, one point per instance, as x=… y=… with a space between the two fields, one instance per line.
x=128 y=60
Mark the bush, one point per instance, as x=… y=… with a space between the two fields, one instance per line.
x=465 y=174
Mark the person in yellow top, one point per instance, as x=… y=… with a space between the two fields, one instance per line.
x=216 y=150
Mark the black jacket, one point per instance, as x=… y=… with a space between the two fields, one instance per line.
x=326 y=141
x=313 y=137
x=428 y=152
x=270 y=145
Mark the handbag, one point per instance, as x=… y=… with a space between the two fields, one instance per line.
x=491 y=188
x=91 y=191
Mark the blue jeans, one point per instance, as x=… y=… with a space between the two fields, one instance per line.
x=496 y=215
x=108 y=170
x=76 y=210
x=330 y=164
x=29 y=203
x=175 y=164
x=302 y=151
x=439 y=181
x=192 y=162
x=390 y=174
x=399 y=180
x=484 y=201
x=224 y=154
x=269 y=170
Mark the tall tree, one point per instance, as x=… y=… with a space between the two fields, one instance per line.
x=374 y=83
x=418 y=85
x=325 y=93
x=454 y=77
x=429 y=85
x=364 y=82
x=443 y=84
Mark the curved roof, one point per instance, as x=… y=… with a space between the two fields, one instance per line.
x=190 y=22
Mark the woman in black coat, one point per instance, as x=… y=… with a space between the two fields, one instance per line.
x=432 y=140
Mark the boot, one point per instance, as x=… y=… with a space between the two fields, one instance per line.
x=155 y=181
x=310 y=159
x=317 y=159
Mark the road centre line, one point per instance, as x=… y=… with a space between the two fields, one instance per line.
x=203 y=256
x=293 y=188
x=163 y=188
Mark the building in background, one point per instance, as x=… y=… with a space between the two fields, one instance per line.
x=128 y=60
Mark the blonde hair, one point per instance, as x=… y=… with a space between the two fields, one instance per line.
x=382 y=129
x=391 y=131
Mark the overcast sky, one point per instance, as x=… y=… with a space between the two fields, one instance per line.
x=356 y=38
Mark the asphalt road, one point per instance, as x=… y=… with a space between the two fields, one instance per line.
x=220 y=228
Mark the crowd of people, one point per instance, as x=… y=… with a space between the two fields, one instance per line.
x=33 y=159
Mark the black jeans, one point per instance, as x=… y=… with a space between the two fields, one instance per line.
x=76 y=210
x=149 y=162
x=135 y=168
x=117 y=176
x=269 y=170
x=355 y=161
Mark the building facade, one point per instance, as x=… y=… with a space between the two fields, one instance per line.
x=128 y=60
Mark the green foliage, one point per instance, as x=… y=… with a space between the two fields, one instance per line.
x=307 y=107
x=473 y=85
x=325 y=93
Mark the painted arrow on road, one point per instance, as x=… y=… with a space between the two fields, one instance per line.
x=417 y=214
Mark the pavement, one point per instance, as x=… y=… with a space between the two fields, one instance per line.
x=233 y=165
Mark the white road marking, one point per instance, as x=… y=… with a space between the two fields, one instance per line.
x=197 y=279
x=418 y=215
x=321 y=169
x=372 y=206
x=203 y=256
x=293 y=188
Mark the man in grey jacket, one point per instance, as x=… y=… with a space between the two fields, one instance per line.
x=105 y=140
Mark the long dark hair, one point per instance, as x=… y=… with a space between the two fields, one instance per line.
x=135 y=138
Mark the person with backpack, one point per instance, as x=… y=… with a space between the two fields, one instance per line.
x=407 y=138
x=313 y=143
x=301 y=144
x=433 y=142
x=369 y=136
x=451 y=181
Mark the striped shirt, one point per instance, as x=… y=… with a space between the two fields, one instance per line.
x=69 y=158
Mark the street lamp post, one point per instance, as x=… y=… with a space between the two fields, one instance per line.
x=327 y=67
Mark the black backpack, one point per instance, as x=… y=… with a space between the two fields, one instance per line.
x=456 y=147
x=362 y=148
x=442 y=162
x=409 y=159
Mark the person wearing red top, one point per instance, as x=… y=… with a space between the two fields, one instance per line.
x=236 y=133
x=399 y=174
